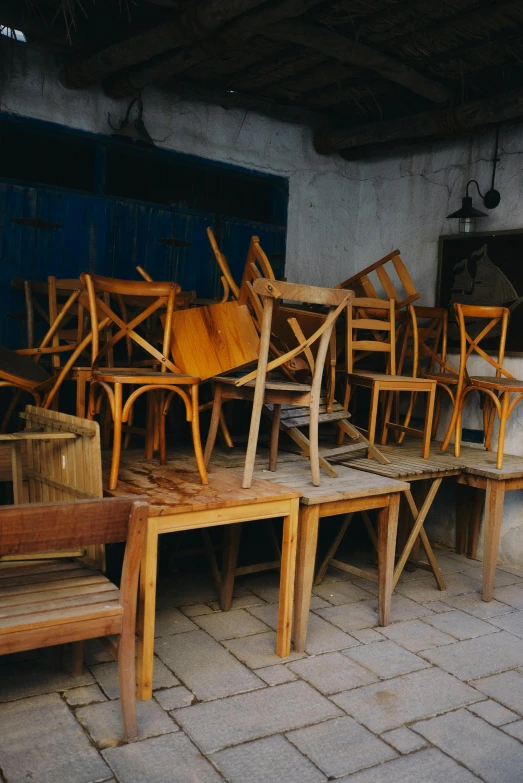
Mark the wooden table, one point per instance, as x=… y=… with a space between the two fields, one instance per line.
x=481 y=473
x=475 y=468
x=178 y=501
x=352 y=491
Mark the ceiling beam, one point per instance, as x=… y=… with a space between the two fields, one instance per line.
x=197 y=21
x=238 y=100
x=346 y=50
x=130 y=81
x=353 y=142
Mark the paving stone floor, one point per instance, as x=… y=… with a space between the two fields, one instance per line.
x=437 y=697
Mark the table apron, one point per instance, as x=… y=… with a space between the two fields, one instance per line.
x=192 y=520
x=352 y=505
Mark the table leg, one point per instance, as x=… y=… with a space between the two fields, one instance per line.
x=287 y=574
x=493 y=516
x=387 y=531
x=231 y=545
x=146 y=612
x=305 y=563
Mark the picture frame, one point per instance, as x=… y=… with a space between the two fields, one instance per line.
x=483 y=268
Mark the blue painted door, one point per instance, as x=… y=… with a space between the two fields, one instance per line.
x=17 y=244
x=143 y=236
x=235 y=238
x=79 y=236
x=195 y=267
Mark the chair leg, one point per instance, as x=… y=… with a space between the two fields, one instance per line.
x=149 y=426
x=162 y=420
x=386 y=418
x=428 y=422
x=275 y=432
x=78 y=658
x=213 y=427
x=226 y=435
x=437 y=412
x=345 y=403
x=231 y=548
x=373 y=412
x=117 y=436
x=127 y=679
x=505 y=400
x=459 y=404
x=196 y=440
x=314 y=452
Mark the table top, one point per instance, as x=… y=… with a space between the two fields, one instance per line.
x=175 y=488
x=349 y=484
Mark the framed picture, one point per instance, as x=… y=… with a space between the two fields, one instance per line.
x=483 y=269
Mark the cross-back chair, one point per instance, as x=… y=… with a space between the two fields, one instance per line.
x=47 y=603
x=260 y=389
x=398 y=286
x=424 y=343
x=157 y=373
x=371 y=330
x=227 y=280
x=498 y=387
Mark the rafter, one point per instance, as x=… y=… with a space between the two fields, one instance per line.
x=198 y=21
x=133 y=79
x=437 y=123
x=335 y=45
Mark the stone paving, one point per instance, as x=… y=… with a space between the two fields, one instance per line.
x=437 y=697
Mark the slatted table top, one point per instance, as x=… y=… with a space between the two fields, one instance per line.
x=405 y=462
x=350 y=483
x=175 y=488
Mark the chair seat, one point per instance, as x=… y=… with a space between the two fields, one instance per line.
x=400 y=380
x=496 y=384
x=39 y=594
x=445 y=377
x=269 y=385
x=23 y=367
x=142 y=376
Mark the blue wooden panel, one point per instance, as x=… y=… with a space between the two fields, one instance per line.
x=17 y=243
x=195 y=267
x=141 y=238
x=235 y=238
x=82 y=243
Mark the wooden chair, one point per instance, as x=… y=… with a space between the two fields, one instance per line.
x=376 y=319
x=498 y=387
x=46 y=604
x=256 y=387
x=427 y=348
x=148 y=298
x=402 y=290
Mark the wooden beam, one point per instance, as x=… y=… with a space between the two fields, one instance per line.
x=437 y=123
x=346 y=50
x=238 y=100
x=197 y=21
x=128 y=82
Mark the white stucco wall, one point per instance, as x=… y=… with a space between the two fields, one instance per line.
x=342 y=216
x=323 y=202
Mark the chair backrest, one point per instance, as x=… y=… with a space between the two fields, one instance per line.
x=269 y=291
x=144 y=299
x=471 y=336
x=425 y=340
x=37 y=527
x=371 y=329
x=401 y=289
x=56 y=341
x=228 y=282
x=214 y=339
x=183 y=299
x=257 y=267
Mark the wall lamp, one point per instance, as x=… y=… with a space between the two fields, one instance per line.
x=468 y=214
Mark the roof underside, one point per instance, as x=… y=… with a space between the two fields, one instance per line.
x=343 y=63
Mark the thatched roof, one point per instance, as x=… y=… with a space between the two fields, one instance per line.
x=347 y=64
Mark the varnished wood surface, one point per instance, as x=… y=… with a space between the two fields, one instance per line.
x=175 y=488
x=349 y=484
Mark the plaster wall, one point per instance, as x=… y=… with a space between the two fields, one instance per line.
x=403 y=201
x=323 y=201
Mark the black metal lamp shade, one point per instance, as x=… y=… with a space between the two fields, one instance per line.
x=467 y=216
